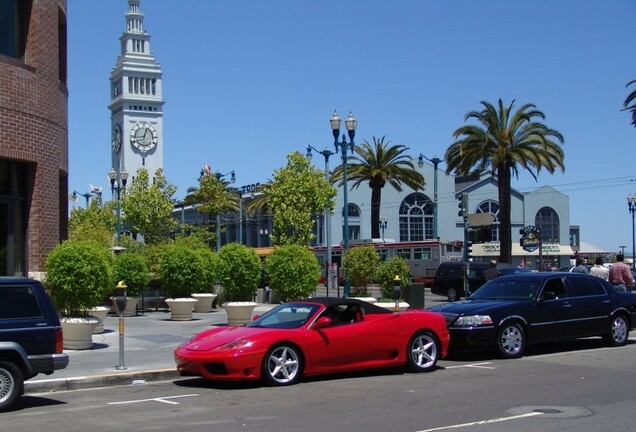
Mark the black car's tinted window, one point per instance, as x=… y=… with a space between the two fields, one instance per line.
x=449 y=271
x=18 y=302
x=581 y=287
x=505 y=288
x=556 y=287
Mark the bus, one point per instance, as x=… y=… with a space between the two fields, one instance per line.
x=422 y=257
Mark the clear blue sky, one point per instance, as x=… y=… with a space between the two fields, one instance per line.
x=246 y=82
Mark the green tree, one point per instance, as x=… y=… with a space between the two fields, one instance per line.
x=147 y=206
x=503 y=141
x=181 y=271
x=386 y=273
x=297 y=194
x=239 y=271
x=360 y=264
x=378 y=164
x=630 y=102
x=293 y=272
x=96 y=222
x=131 y=268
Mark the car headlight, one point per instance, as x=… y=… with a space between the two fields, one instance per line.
x=235 y=344
x=473 y=320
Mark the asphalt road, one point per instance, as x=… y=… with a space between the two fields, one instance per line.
x=580 y=386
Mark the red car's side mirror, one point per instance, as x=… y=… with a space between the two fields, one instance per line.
x=255 y=317
x=323 y=322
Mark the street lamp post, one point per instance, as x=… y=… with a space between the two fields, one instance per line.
x=351 y=123
x=384 y=221
x=118 y=184
x=326 y=153
x=435 y=161
x=631 y=206
x=206 y=171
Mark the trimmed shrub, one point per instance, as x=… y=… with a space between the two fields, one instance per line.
x=238 y=269
x=79 y=275
x=209 y=264
x=181 y=271
x=132 y=269
x=293 y=272
x=385 y=275
x=360 y=265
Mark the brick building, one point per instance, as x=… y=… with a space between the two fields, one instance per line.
x=33 y=133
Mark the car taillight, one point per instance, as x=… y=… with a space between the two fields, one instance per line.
x=59 y=342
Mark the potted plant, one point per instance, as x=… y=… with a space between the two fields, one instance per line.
x=204 y=291
x=386 y=277
x=79 y=275
x=293 y=272
x=360 y=265
x=238 y=268
x=131 y=268
x=181 y=271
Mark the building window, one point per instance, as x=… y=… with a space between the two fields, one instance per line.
x=547 y=221
x=354 y=222
x=416 y=218
x=13 y=218
x=14 y=27
x=491 y=207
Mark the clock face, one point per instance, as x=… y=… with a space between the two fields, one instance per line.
x=117 y=138
x=143 y=137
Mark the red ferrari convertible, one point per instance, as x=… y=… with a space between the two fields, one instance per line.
x=316 y=336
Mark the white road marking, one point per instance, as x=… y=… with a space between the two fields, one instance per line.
x=473 y=365
x=160 y=399
x=483 y=422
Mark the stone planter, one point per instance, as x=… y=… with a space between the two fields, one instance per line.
x=181 y=308
x=204 y=302
x=129 y=310
x=239 y=313
x=366 y=299
x=99 y=312
x=78 y=332
x=391 y=305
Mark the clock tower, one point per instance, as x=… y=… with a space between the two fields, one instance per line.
x=136 y=101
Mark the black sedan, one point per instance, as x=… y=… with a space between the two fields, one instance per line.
x=510 y=312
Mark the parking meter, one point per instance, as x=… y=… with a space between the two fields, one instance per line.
x=120 y=300
x=120 y=296
x=397 y=291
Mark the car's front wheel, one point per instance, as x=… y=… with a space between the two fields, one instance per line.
x=11 y=384
x=511 y=340
x=423 y=352
x=452 y=294
x=282 y=365
x=618 y=331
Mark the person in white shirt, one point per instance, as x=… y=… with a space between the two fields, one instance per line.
x=599 y=270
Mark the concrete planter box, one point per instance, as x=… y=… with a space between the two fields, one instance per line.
x=204 y=302
x=78 y=332
x=239 y=313
x=181 y=308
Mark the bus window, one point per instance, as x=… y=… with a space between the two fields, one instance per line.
x=422 y=253
x=403 y=253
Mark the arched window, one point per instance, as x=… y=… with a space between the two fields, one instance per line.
x=354 y=222
x=416 y=218
x=547 y=220
x=491 y=207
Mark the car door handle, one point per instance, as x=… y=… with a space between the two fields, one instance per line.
x=567 y=305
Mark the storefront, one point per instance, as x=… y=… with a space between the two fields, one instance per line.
x=552 y=256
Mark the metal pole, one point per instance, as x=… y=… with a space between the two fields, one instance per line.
x=218 y=232
x=327 y=226
x=436 y=162
x=240 y=233
x=347 y=287
x=633 y=210
x=118 y=190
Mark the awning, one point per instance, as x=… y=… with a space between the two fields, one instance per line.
x=492 y=249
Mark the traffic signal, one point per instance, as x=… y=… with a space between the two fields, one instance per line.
x=463 y=205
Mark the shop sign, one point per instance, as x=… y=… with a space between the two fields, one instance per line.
x=530 y=238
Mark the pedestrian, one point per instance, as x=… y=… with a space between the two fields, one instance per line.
x=599 y=270
x=267 y=290
x=580 y=266
x=491 y=272
x=620 y=275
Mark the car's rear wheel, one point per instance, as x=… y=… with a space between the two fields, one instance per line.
x=511 y=340
x=11 y=384
x=618 y=331
x=452 y=294
x=423 y=352
x=282 y=365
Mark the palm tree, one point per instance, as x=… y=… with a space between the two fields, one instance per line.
x=379 y=164
x=503 y=142
x=630 y=102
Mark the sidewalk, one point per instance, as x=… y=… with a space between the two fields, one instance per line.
x=149 y=341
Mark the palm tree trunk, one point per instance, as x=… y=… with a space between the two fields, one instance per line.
x=376 y=199
x=505 y=240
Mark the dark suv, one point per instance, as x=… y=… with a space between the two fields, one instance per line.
x=449 y=277
x=30 y=336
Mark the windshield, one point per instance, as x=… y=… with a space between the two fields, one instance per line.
x=508 y=288
x=289 y=315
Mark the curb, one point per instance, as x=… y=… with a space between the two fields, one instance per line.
x=94 y=381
